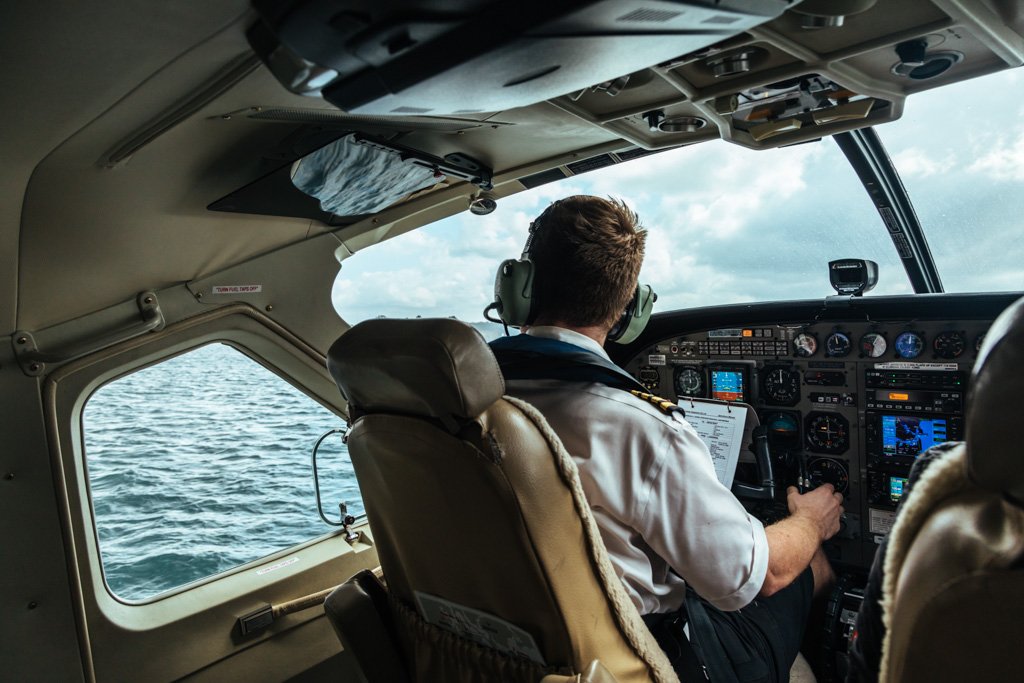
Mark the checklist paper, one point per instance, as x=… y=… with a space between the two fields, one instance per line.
x=721 y=426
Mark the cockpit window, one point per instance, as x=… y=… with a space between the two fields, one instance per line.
x=960 y=152
x=726 y=225
x=216 y=475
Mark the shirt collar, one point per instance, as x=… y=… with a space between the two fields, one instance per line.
x=569 y=337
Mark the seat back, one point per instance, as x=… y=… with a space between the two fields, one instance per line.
x=495 y=567
x=954 y=581
x=358 y=610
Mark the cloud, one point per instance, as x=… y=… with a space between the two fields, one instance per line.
x=709 y=217
x=727 y=225
x=916 y=162
x=1002 y=161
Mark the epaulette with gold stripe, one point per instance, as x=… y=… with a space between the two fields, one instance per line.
x=662 y=404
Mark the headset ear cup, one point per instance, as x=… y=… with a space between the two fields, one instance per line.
x=513 y=291
x=639 y=312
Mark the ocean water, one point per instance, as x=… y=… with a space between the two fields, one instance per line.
x=202 y=463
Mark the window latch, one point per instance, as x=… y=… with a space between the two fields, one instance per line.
x=347 y=521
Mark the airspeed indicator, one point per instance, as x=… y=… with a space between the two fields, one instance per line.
x=837 y=345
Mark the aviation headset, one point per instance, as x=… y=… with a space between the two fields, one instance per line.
x=514 y=300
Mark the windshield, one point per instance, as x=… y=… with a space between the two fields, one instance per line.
x=963 y=168
x=725 y=225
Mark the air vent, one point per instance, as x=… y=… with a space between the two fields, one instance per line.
x=721 y=20
x=542 y=178
x=411 y=110
x=591 y=164
x=647 y=14
x=635 y=153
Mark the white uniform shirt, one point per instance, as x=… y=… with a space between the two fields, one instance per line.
x=652 y=487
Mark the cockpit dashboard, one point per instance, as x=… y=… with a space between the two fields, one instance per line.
x=851 y=390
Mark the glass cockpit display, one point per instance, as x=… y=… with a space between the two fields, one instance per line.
x=728 y=383
x=908 y=435
x=896 y=487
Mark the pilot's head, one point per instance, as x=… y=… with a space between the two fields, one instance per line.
x=587 y=252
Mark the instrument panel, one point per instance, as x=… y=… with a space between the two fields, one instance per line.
x=848 y=403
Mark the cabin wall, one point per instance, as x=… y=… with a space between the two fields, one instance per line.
x=38 y=635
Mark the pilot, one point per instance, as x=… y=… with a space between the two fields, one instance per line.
x=668 y=524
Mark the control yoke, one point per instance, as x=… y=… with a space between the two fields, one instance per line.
x=766 y=489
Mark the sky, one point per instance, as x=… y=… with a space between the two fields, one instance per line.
x=730 y=225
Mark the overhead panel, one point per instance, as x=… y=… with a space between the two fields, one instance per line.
x=482 y=56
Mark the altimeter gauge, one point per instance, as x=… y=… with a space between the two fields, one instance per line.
x=780 y=385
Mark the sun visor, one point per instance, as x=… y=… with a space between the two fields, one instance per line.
x=349 y=178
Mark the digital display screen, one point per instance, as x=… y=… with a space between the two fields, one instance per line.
x=904 y=435
x=727 y=385
x=896 y=488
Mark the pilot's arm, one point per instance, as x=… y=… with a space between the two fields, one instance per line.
x=709 y=539
x=696 y=524
x=794 y=541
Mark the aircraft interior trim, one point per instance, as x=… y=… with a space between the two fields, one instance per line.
x=173 y=218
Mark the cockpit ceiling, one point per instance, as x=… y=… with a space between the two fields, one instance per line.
x=122 y=122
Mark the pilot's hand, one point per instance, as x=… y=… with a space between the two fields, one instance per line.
x=822 y=506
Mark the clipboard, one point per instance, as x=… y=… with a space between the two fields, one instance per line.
x=726 y=427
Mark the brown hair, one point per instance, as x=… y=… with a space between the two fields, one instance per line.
x=587 y=252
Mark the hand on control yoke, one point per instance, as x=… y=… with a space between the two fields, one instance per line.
x=822 y=506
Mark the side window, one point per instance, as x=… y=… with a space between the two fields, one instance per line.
x=201 y=463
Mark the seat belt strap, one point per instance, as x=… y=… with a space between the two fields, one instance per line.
x=705 y=642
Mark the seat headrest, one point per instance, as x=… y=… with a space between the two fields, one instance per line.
x=428 y=367
x=996 y=401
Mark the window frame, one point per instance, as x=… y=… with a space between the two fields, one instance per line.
x=65 y=394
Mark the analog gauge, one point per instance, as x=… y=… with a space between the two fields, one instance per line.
x=949 y=345
x=828 y=471
x=650 y=378
x=783 y=431
x=837 y=345
x=805 y=344
x=689 y=382
x=873 y=345
x=909 y=345
x=781 y=386
x=827 y=432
